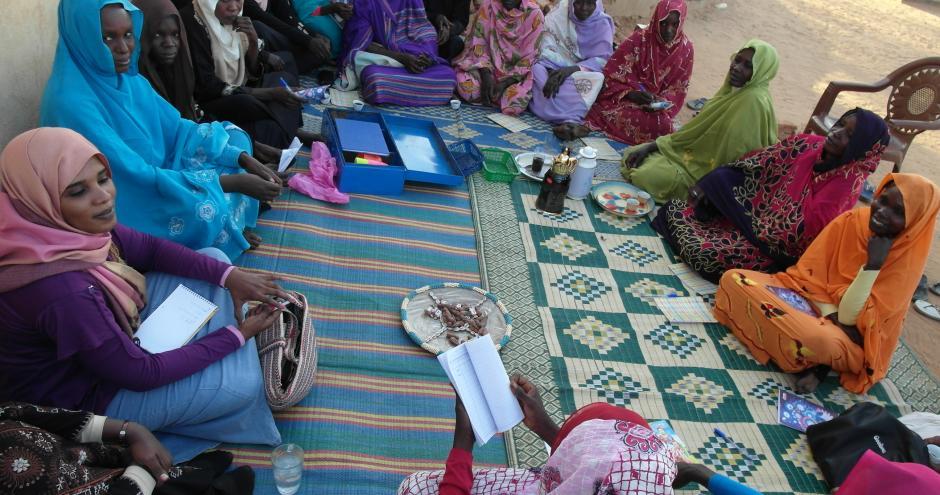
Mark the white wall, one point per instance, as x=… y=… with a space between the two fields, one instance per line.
x=28 y=35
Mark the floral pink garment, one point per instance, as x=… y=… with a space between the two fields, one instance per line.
x=643 y=61
x=506 y=43
x=598 y=457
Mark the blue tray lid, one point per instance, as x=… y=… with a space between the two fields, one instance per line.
x=423 y=151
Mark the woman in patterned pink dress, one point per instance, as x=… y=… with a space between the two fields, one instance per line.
x=601 y=449
x=652 y=65
x=502 y=46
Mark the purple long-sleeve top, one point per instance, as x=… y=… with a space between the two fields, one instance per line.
x=61 y=345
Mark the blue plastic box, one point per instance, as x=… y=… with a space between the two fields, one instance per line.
x=416 y=152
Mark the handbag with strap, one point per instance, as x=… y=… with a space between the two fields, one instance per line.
x=838 y=444
x=288 y=353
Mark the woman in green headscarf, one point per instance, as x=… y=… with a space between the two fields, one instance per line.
x=738 y=119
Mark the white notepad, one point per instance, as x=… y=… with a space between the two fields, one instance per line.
x=175 y=321
x=511 y=123
x=481 y=382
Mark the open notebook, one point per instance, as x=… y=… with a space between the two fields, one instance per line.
x=481 y=382
x=175 y=321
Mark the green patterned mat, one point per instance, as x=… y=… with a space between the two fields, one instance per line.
x=585 y=330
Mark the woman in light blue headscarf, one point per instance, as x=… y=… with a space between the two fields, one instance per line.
x=179 y=180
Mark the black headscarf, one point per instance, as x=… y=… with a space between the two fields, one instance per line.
x=870 y=131
x=175 y=86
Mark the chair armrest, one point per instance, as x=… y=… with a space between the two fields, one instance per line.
x=920 y=125
x=840 y=86
x=828 y=98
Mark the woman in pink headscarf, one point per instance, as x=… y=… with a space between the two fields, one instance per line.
x=652 y=65
x=75 y=286
x=502 y=45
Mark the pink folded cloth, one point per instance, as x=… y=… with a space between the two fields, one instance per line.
x=320 y=182
x=875 y=475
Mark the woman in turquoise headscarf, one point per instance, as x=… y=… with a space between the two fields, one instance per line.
x=325 y=17
x=738 y=119
x=179 y=180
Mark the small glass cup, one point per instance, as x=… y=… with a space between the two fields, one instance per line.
x=288 y=463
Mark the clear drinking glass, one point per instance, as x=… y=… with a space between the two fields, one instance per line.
x=288 y=462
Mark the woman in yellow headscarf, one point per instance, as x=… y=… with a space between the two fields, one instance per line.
x=842 y=306
x=738 y=119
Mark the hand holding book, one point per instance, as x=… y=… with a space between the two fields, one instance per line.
x=534 y=415
x=463 y=432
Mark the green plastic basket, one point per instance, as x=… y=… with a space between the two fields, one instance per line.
x=498 y=165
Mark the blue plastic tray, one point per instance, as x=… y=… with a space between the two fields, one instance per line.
x=363 y=179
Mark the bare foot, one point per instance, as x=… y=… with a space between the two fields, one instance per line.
x=266 y=154
x=562 y=131
x=570 y=132
x=308 y=137
x=254 y=240
x=807 y=382
x=579 y=131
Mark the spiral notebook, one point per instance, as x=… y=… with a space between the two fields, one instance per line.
x=175 y=321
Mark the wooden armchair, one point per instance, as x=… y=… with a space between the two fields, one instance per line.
x=913 y=105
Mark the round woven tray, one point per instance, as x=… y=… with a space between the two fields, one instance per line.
x=426 y=332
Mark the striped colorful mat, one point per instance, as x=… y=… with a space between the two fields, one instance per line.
x=381 y=407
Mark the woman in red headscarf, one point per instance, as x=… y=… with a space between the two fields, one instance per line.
x=652 y=65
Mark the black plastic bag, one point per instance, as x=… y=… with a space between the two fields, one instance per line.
x=838 y=444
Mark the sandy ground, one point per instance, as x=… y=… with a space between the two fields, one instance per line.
x=821 y=41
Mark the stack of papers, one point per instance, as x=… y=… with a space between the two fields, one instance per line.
x=481 y=382
x=692 y=280
x=343 y=98
x=604 y=150
x=509 y=122
x=690 y=309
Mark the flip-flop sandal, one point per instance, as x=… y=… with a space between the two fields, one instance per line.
x=935 y=288
x=921 y=291
x=927 y=309
x=697 y=104
x=868 y=191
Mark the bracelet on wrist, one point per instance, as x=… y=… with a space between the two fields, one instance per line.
x=122 y=434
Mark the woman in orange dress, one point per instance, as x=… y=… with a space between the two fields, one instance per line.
x=842 y=306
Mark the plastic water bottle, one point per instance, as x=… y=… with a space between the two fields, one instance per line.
x=288 y=461
x=455 y=104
